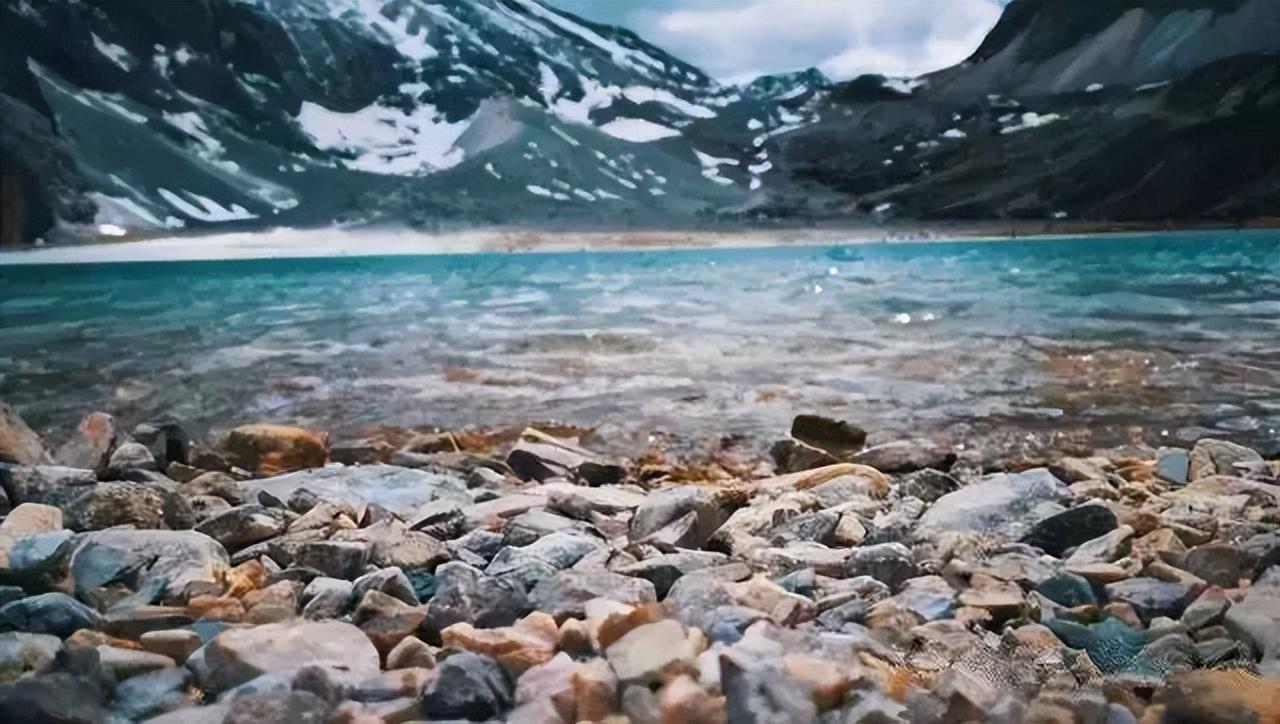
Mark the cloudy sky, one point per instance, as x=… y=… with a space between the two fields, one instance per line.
x=740 y=39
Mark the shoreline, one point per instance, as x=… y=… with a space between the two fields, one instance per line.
x=385 y=579
x=331 y=242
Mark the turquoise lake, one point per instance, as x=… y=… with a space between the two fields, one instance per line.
x=1018 y=344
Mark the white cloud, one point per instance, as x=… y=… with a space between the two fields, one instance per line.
x=843 y=38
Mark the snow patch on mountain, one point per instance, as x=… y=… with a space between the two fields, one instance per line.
x=386 y=140
x=638 y=130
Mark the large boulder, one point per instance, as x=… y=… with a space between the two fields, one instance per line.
x=49 y=484
x=19 y=444
x=141 y=505
x=1219 y=457
x=274 y=449
x=238 y=655
x=1005 y=504
x=161 y=564
x=1256 y=619
x=400 y=490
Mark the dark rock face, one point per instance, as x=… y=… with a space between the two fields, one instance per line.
x=837 y=437
x=468 y=686
x=60 y=698
x=1151 y=598
x=466 y=594
x=1068 y=529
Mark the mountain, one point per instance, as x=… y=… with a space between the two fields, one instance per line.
x=147 y=115
x=138 y=116
x=1151 y=110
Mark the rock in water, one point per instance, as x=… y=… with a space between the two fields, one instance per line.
x=1068 y=529
x=274 y=449
x=837 y=437
x=238 y=655
x=19 y=444
x=467 y=686
x=1005 y=504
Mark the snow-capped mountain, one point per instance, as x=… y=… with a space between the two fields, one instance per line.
x=128 y=115
x=139 y=116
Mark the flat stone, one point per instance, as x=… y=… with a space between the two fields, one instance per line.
x=1173 y=465
x=1070 y=528
x=1005 y=504
x=216 y=484
x=790 y=456
x=56 y=614
x=905 y=456
x=119 y=663
x=400 y=490
x=47 y=484
x=177 y=644
x=238 y=655
x=529 y=643
x=29 y=519
x=131 y=623
x=927 y=485
x=1151 y=598
x=244 y=525
x=647 y=653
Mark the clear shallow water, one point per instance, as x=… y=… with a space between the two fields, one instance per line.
x=1009 y=343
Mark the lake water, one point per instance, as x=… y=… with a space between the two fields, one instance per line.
x=1017 y=343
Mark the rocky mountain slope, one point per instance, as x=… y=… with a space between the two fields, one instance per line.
x=125 y=116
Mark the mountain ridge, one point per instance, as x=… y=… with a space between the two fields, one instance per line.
x=132 y=117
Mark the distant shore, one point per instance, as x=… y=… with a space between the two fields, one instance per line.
x=389 y=241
